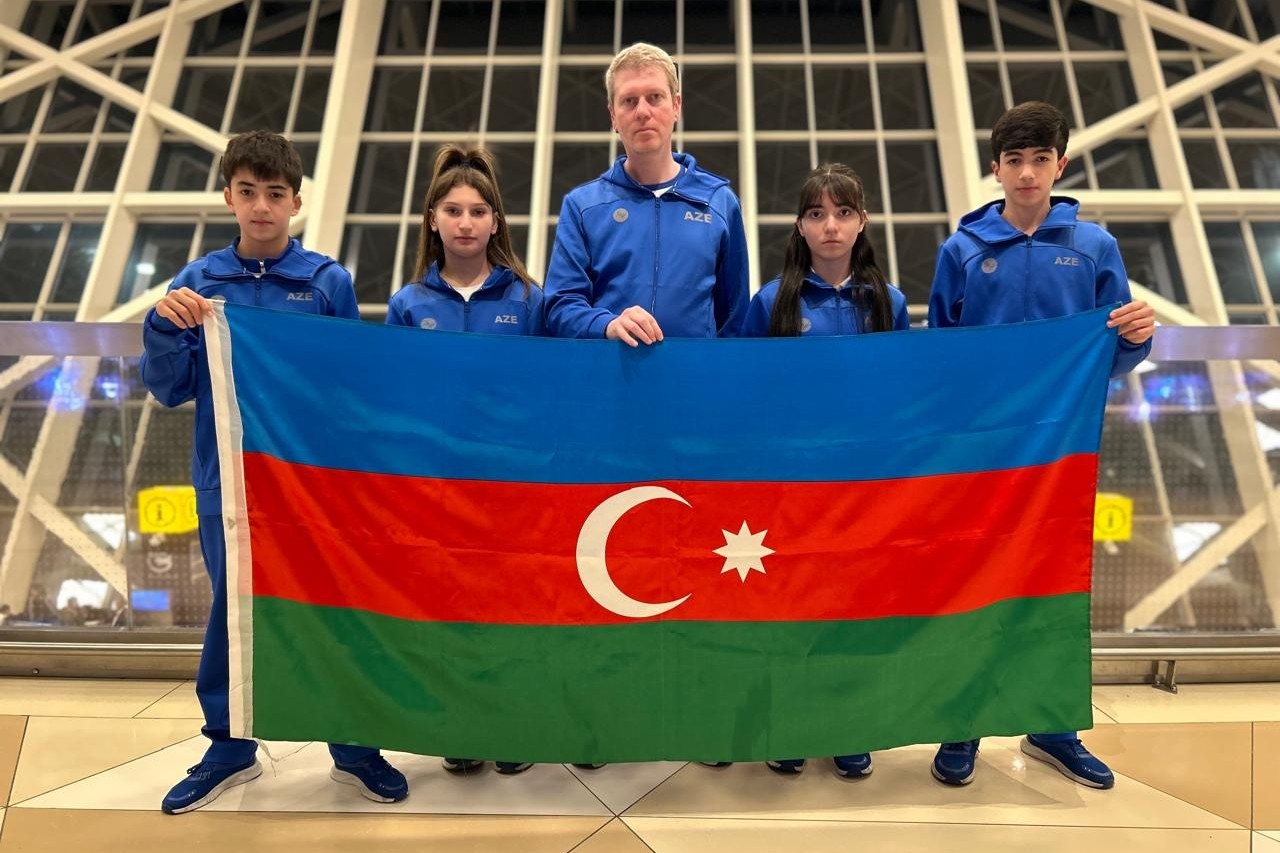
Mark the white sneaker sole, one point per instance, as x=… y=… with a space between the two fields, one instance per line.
x=862 y=775
x=965 y=781
x=1030 y=749
x=345 y=778
x=246 y=775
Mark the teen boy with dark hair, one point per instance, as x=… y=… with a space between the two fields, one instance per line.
x=265 y=267
x=1027 y=257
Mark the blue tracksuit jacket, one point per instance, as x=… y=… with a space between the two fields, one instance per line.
x=823 y=309
x=681 y=256
x=174 y=366
x=499 y=307
x=989 y=272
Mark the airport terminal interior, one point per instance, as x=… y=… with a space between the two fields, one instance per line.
x=113 y=116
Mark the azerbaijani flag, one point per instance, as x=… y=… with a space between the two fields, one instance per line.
x=555 y=550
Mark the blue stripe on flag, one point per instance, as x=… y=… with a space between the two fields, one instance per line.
x=358 y=396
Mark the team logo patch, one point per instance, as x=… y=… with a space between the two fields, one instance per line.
x=805 y=325
x=989 y=265
x=620 y=214
x=1067 y=261
x=691 y=216
x=300 y=296
x=428 y=323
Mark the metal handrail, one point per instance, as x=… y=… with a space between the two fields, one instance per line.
x=59 y=338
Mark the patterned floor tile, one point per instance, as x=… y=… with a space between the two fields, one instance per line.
x=79 y=697
x=620 y=786
x=11 y=729
x=1193 y=703
x=181 y=703
x=1266 y=776
x=667 y=835
x=1174 y=758
x=1266 y=842
x=59 y=831
x=60 y=750
x=299 y=782
x=1009 y=789
x=613 y=837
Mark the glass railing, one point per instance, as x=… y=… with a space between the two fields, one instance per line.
x=98 y=525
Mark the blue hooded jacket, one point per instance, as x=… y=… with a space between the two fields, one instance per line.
x=682 y=256
x=499 y=307
x=989 y=272
x=174 y=364
x=824 y=310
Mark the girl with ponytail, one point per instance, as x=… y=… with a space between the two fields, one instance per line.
x=830 y=283
x=468 y=277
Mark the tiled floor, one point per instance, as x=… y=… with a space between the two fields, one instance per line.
x=83 y=765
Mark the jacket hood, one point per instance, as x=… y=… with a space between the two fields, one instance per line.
x=988 y=225
x=294 y=262
x=692 y=183
x=499 y=276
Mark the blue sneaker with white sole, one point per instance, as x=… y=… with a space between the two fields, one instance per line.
x=205 y=782
x=462 y=765
x=956 y=762
x=787 y=767
x=511 y=768
x=374 y=778
x=1072 y=759
x=853 y=766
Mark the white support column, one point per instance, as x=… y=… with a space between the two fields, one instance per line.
x=747 y=175
x=952 y=107
x=538 y=254
x=1248 y=461
x=357 y=48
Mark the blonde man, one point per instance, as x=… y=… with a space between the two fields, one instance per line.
x=655 y=245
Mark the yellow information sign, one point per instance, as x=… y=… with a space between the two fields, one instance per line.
x=167 y=509
x=1113 y=518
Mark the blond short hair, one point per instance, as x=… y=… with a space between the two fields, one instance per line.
x=642 y=55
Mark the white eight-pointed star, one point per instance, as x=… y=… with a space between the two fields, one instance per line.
x=743 y=551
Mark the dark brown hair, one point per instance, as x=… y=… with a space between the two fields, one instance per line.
x=1033 y=124
x=266 y=155
x=844 y=187
x=474 y=167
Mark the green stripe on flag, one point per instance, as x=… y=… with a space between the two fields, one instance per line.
x=742 y=691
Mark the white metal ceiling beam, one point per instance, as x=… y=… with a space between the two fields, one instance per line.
x=326 y=203
x=105 y=44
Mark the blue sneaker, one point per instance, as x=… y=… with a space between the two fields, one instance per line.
x=205 y=782
x=374 y=778
x=462 y=765
x=511 y=768
x=788 y=766
x=853 y=766
x=1070 y=757
x=954 y=764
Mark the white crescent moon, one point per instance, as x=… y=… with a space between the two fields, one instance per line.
x=592 y=568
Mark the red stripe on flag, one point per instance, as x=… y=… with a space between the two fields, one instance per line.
x=473 y=551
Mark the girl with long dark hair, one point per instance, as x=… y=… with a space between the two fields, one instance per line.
x=830 y=285
x=830 y=282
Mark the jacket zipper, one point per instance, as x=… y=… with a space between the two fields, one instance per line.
x=1026 y=275
x=257 y=281
x=657 y=241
